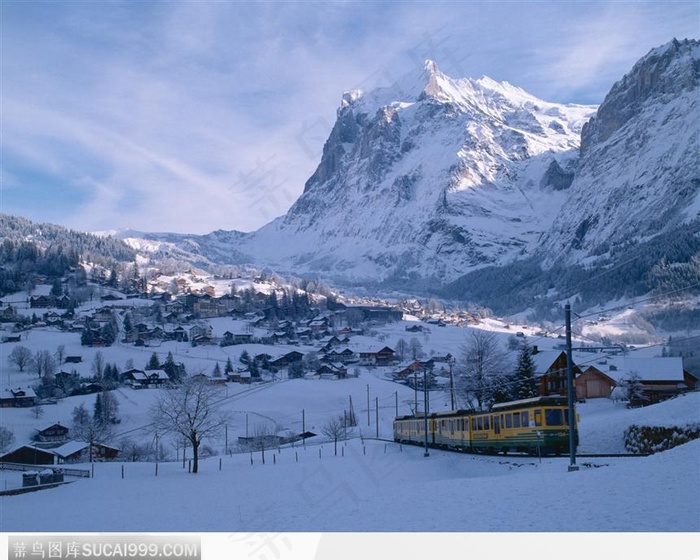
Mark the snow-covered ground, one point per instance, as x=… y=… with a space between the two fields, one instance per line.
x=372 y=485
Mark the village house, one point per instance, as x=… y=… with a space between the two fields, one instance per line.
x=332 y=371
x=385 y=356
x=52 y=433
x=237 y=338
x=239 y=377
x=286 y=360
x=135 y=378
x=415 y=368
x=18 y=398
x=659 y=377
x=551 y=373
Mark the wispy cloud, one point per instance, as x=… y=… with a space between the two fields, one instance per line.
x=195 y=116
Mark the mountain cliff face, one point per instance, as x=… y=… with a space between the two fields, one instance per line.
x=428 y=179
x=639 y=172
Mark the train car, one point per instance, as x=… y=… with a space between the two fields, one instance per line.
x=536 y=425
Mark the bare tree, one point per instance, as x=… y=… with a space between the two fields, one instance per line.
x=480 y=369
x=191 y=411
x=44 y=364
x=334 y=429
x=7 y=438
x=38 y=411
x=415 y=348
x=401 y=348
x=98 y=365
x=60 y=353
x=21 y=356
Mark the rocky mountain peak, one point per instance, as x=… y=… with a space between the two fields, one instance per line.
x=661 y=75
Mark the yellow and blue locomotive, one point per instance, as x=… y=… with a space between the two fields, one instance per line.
x=535 y=425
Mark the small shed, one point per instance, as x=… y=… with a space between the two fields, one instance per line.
x=593 y=383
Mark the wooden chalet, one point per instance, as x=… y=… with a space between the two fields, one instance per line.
x=29 y=455
x=334 y=370
x=239 y=377
x=41 y=302
x=156 y=377
x=18 y=398
x=237 y=338
x=550 y=370
x=416 y=367
x=659 y=378
x=381 y=357
x=287 y=359
x=136 y=378
x=52 y=433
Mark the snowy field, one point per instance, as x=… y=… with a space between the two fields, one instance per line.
x=375 y=485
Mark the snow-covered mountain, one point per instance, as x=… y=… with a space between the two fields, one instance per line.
x=428 y=179
x=482 y=190
x=639 y=172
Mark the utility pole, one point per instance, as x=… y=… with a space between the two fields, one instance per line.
x=415 y=392
x=452 y=387
x=425 y=412
x=570 y=390
x=368 y=416
x=376 y=410
x=396 y=397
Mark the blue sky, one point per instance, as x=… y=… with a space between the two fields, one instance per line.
x=196 y=116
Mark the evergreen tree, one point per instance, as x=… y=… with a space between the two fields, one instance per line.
x=228 y=368
x=57 y=288
x=217 y=370
x=524 y=383
x=153 y=362
x=86 y=337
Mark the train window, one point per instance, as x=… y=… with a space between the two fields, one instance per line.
x=480 y=423
x=566 y=417
x=538 y=417
x=473 y=424
x=553 y=416
x=486 y=423
x=525 y=417
x=509 y=420
x=516 y=420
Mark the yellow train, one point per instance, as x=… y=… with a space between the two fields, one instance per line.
x=536 y=425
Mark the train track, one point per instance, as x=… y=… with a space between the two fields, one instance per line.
x=513 y=454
